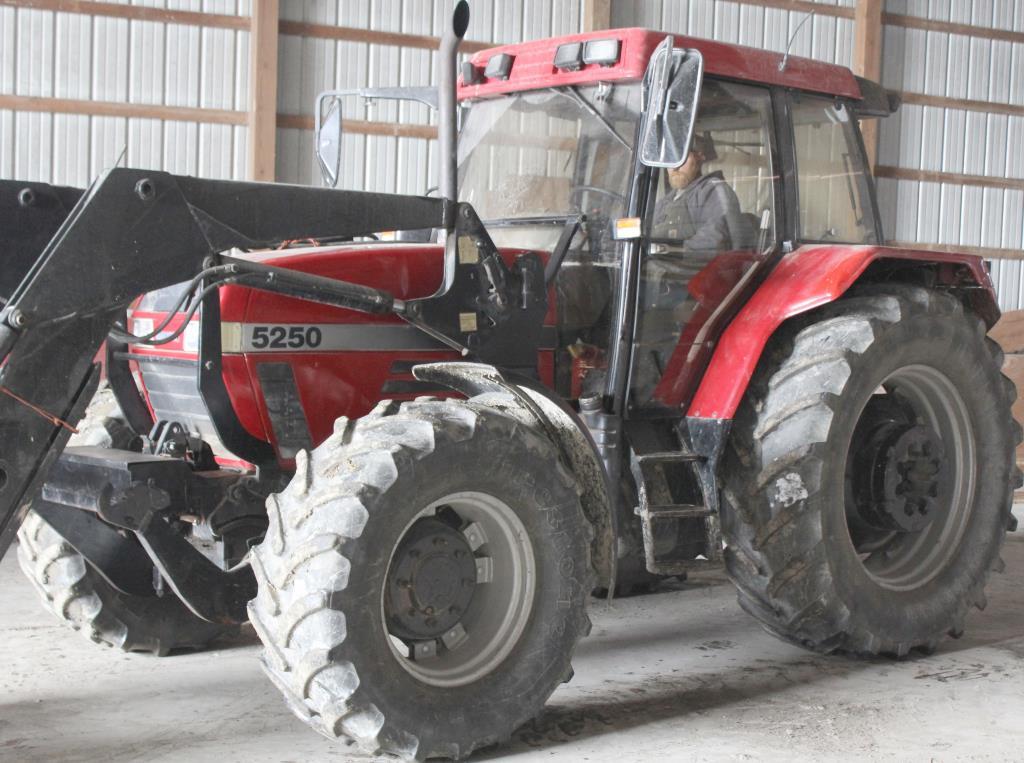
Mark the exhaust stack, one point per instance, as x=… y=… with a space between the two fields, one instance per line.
x=448 y=182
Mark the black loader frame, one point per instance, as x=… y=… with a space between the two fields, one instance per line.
x=137 y=231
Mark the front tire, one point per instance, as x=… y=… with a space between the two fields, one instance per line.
x=869 y=479
x=423 y=581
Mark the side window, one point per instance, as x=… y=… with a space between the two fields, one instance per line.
x=715 y=201
x=831 y=176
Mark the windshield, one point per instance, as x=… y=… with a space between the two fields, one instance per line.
x=548 y=154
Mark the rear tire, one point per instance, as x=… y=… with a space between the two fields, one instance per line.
x=799 y=474
x=80 y=596
x=336 y=558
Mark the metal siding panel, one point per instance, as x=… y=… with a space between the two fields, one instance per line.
x=971 y=215
x=907 y=195
x=727 y=17
x=957 y=73
x=932 y=132
x=992 y=217
x=974 y=148
x=215 y=151
x=34 y=136
x=108 y=137
x=979 y=69
x=950 y=208
x=145 y=143
x=8 y=49
x=1015 y=147
x=217 y=69
x=955 y=140
x=1012 y=233
x=180 y=150
x=110 y=59
x=73 y=46
x=181 y=81
x=7 y=143
x=147 y=49
x=34 y=51
x=928 y=204
x=71 y=150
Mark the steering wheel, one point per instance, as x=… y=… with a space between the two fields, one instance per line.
x=581 y=189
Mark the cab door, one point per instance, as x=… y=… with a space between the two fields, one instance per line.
x=709 y=224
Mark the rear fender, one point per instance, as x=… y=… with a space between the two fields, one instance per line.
x=807 y=278
x=536 y=407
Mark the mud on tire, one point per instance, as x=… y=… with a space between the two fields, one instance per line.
x=787 y=492
x=323 y=573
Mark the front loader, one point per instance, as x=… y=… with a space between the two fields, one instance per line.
x=407 y=463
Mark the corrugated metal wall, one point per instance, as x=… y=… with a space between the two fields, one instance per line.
x=956 y=140
x=76 y=56
x=309 y=66
x=82 y=57
x=825 y=38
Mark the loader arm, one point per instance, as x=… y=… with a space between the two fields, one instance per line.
x=135 y=231
x=31 y=214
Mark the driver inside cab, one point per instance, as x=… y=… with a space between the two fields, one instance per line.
x=700 y=212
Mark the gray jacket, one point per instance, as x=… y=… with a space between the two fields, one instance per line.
x=704 y=216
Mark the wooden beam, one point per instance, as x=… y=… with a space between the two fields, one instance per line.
x=964 y=104
x=968 y=30
x=867 y=61
x=989 y=253
x=951 y=178
x=134 y=13
x=372 y=37
x=597 y=14
x=802 y=6
x=360 y=127
x=125 y=110
x=263 y=89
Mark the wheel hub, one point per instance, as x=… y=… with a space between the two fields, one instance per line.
x=431 y=582
x=908 y=462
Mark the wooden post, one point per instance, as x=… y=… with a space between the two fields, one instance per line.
x=597 y=14
x=867 y=60
x=263 y=89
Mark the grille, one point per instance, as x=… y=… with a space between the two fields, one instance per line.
x=174 y=395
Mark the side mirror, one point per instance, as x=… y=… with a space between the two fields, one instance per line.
x=672 y=92
x=328 y=137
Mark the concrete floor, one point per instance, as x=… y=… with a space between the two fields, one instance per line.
x=679 y=675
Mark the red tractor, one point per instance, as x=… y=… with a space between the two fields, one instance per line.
x=649 y=324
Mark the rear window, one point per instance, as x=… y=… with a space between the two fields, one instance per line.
x=835 y=198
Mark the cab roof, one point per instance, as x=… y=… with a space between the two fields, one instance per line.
x=533 y=65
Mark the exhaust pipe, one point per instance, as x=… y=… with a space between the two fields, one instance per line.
x=448 y=182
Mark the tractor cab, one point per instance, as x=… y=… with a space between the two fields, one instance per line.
x=651 y=169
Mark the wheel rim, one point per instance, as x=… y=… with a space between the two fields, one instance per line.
x=910 y=478
x=437 y=632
